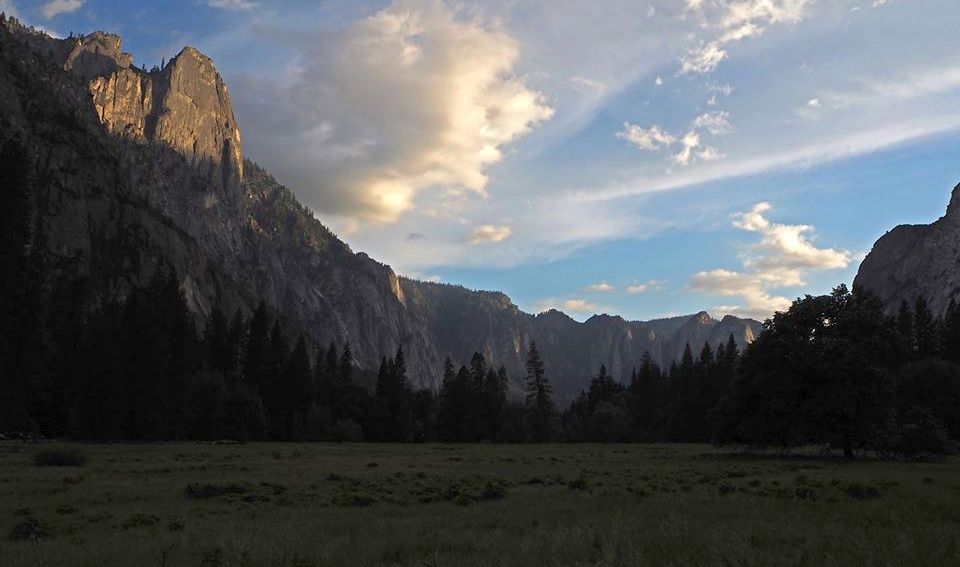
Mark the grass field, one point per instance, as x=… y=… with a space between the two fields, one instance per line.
x=450 y=505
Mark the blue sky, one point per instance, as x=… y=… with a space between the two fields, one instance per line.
x=644 y=158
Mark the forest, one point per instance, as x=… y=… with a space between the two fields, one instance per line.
x=83 y=362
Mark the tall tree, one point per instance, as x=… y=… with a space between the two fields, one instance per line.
x=540 y=408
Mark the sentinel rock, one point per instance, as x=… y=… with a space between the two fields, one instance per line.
x=911 y=261
x=184 y=105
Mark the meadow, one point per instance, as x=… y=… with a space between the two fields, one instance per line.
x=436 y=505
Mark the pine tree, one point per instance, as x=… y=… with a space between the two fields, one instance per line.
x=540 y=409
x=950 y=333
x=447 y=417
x=924 y=329
x=905 y=324
x=646 y=391
x=295 y=393
x=216 y=338
x=256 y=352
x=345 y=367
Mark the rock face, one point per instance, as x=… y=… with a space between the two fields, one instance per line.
x=143 y=168
x=184 y=105
x=912 y=261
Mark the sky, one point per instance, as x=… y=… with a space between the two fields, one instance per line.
x=645 y=158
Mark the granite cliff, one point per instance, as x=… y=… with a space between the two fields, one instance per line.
x=911 y=261
x=140 y=168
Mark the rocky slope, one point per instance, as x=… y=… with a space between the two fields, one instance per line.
x=911 y=261
x=139 y=168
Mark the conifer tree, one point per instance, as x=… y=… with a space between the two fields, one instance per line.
x=924 y=329
x=256 y=355
x=539 y=402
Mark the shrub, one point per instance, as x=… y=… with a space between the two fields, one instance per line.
x=493 y=491
x=59 y=457
x=860 y=491
x=197 y=490
x=29 y=529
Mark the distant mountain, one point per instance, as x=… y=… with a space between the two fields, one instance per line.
x=911 y=261
x=146 y=167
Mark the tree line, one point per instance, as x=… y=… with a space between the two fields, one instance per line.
x=832 y=371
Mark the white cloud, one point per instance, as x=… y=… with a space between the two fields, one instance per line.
x=702 y=59
x=781 y=258
x=413 y=97
x=714 y=122
x=785 y=247
x=731 y=21
x=653 y=138
x=572 y=306
x=692 y=148
x=601 y=287
x=658 y=81
x=814 y=103
x=489 y=233
x=651 y=285
x=56 y=7
x=240 y=5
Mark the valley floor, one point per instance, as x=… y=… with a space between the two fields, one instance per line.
x=440 y=505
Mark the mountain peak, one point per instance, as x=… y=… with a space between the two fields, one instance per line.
x=185 y=105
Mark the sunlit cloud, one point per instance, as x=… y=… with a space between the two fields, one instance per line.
x=412 y=97
x=489 y=233
x=652 y=285
x=600 y=287
x=784 y=254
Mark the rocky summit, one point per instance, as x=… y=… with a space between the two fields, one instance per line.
x=914 y=261
x=143 y=168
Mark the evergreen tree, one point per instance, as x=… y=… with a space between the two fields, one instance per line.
x=950 y=333
x=494 y=396
x=447 y=417
x=924 y=329
x=256 y=352
x=646 y=391
x=541 y=411
x=905 y=324
x=295 y=394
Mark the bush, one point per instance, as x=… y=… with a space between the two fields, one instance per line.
x=859 y=491
x=60 y=458
x=197 y=490
x=29 y=529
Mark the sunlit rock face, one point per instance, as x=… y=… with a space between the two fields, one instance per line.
x=911 y=261
x=145 y=168
x=184 y=105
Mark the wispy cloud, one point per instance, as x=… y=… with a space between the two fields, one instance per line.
x=691 y=144
x=649 y=139
x=238 y=5
x=731 y=21
x=54 y=8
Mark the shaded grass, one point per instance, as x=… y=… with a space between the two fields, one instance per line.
x=60 y=457
x=549 y=505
